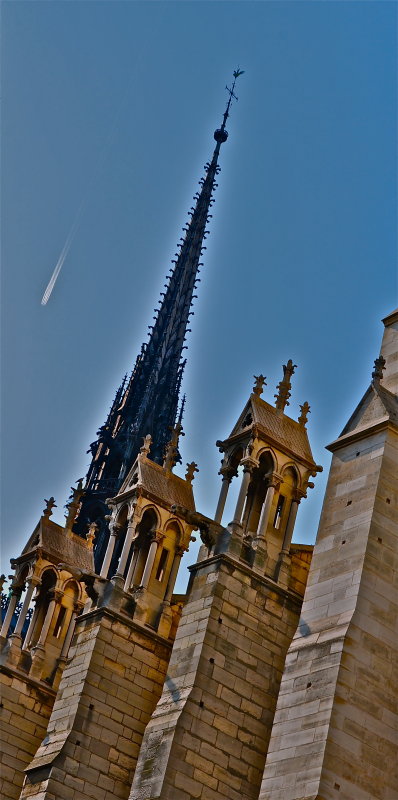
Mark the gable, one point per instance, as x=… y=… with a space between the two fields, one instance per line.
x=369 y=410
x=245 y=421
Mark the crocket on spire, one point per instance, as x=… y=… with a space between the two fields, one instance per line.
x=148 y=403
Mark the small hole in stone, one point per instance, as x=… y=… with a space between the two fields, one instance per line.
x=309 y=685
x=337 y=786
x=211 y=660
x=349 y=502
x=77 y=742
x=343 y=542
x=380 y=540
x=201 y=703
x=388 y=500
x=220 y=620
x=91 y=706
x=356 y=456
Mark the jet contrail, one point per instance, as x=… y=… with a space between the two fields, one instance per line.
x=64 y=252
x=78 y=218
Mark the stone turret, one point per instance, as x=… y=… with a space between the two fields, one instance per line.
x=35 y=650
x=208 y=735
x=118 y=660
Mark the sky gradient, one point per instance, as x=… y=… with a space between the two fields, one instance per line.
x=113 y=105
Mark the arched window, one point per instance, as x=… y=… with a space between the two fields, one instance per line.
x=257 y=491
x=145 y=528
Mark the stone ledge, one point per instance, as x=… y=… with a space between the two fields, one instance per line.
x=125 y=620
x=40 y=686
x=263 y=580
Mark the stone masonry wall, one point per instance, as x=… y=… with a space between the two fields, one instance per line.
x=208 y=736
x=334 y=728
x=107 y=694
x=25 y=711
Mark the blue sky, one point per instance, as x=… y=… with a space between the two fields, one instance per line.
x=115 y=103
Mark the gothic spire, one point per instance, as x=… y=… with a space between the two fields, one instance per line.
x=148 y=403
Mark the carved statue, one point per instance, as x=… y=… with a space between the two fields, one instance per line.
x=171 y=453
x=146 y=445
x=379 y=366
x=92 y=532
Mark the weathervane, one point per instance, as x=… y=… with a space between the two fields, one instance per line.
x=221 y=135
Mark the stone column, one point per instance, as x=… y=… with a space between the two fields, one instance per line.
x=31 y=585
x=265 y=511
x=77 y=608
x=38 y=650
x=290 y=526
x=126 y=548
x=259 y=542
x=16 y=594
x=16 y=638
x=166 y=616
x=132 y=568
x=248 y=466
x=141 y=608
x=283 y=566
x=31 y=627
x=156 y=539
x=226 y=480
x=109 y=551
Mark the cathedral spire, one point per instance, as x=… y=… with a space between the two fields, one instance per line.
x=148 y=403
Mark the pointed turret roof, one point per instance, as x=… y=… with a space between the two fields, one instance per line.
x=148 y=403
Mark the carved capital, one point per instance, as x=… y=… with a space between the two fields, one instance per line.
x=249 y=464
x=275 y=480
x=227 y=473
x=156 y=536
x=115 y=529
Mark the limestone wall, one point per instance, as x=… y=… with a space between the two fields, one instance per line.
x=25 y=710
x=209 y=734
x=107 y=693
x=333 y=735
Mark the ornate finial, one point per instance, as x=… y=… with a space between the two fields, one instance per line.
x=74 y=503
x=282 y=398
x=47 y=512
x=259 y=383
x=2 y=581
x=171 y=453
x=221 y=135
x=379 y=366
x=303 y=418
x=147 y=441
x=92 y=532
x=190 y=473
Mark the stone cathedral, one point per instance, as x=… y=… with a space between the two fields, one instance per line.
x=275 y=676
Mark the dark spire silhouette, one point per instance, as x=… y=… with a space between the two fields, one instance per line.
x=148 y=402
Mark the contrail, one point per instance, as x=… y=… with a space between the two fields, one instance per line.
x=78 y=218
x=64 y=252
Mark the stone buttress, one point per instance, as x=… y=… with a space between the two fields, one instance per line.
x=118 y=660
x=208 y=735
x=335 y=733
